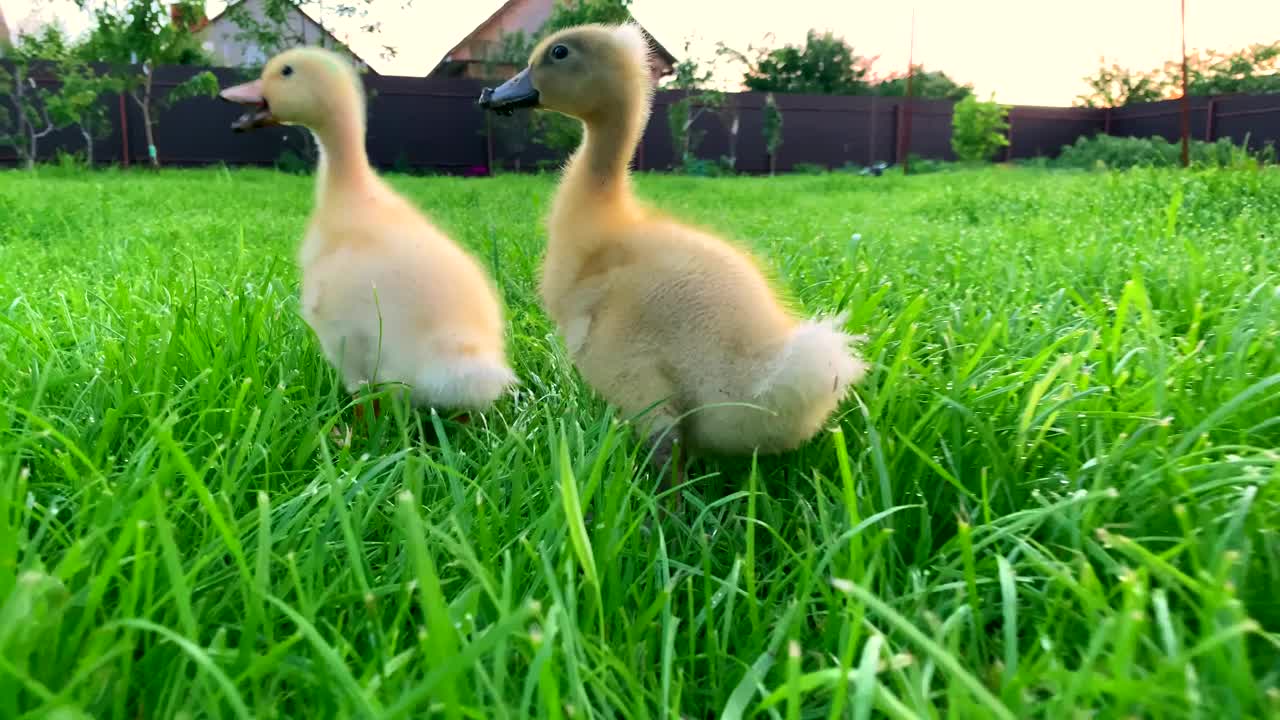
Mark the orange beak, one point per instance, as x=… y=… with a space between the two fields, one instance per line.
x=259 y=113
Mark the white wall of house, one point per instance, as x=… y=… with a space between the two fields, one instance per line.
x=221 y=38
x=526 y=16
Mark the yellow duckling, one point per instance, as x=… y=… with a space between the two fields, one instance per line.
x=389 y=296
x=657 y=314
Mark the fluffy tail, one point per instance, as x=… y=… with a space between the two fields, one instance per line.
x=470 y=384
x=812 y=374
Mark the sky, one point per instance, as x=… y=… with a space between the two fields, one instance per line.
x=1030 y=52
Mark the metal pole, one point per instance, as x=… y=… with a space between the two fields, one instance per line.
x=124 y=133
x=906 y=110
x=1186 y=101
x=488 y=144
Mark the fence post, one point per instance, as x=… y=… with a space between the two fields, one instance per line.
x=488 y=144
x=124 y=133
x=871 y=133
x=1186 y=101
x=1008 y=149
x=1208 y=121
x=906 y=113
x=898 y=151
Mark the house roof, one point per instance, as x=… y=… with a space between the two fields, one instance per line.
x=5 y=40
x=305 y=14
x=662 y=53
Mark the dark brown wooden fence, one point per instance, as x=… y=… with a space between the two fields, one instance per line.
x=430 y=125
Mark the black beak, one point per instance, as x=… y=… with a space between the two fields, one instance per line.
x=518 y=92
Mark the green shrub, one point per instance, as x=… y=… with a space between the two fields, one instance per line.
x=809 y=169
x=703 y=167
x=1104 y=152
x=978 y=129
x=291 y=162
x=1039 y=162
x=926 y=166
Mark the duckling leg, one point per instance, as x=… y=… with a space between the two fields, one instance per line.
x=662 y=440
x=668 y=454
x=375 y=406
x=664 y=444
x=633 y=379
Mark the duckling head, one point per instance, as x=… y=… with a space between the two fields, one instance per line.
x=584 y=72
x=304 y=86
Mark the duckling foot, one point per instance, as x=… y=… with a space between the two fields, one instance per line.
x=668 y=458
x=429 y=434
x=360 y=417
x=359 y=409
x=341 y=435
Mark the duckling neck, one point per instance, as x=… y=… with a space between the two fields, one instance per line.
x=598 y=171
x=344 y=164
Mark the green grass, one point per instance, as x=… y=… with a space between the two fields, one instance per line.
x=1057 y=495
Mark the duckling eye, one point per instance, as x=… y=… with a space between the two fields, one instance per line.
x=559 y=52
x=287 y=70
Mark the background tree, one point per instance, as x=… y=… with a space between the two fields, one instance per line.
x=136 y=36
x=824 y=65
x=568 y=13
x=933 y=84
x=692 y=80
x=1254 y=69
x=25 y=117
x=1114 y=86
x=34 y=111
x=78 y=102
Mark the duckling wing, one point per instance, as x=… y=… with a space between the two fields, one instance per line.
x=730 y=343
x=415 y=307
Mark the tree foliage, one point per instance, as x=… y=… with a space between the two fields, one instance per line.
x=1114 y=86
x=78 y=102
x=827 y=65
x=824 y=65
x=1254 y=69
x=924 y=84
x=692 y=80
x=568 y=13
x=136 y=36
x=34 y=111
x=25 y=116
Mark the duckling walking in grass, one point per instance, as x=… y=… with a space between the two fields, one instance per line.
x=389 y=296
x=657 y=315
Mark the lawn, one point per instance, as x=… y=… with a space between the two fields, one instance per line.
x=1057 y=495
